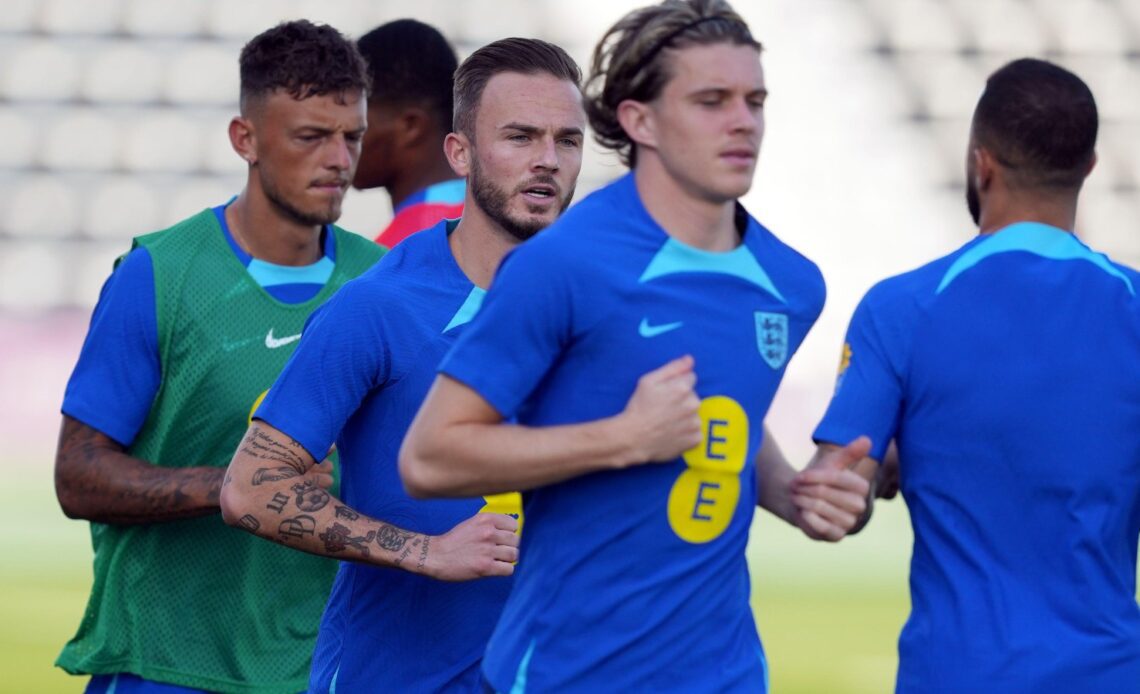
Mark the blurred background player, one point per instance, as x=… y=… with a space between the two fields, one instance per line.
x=192 y=327
x=1009 y=373
x=409 y=113
x=364 y=365
x=633 y=575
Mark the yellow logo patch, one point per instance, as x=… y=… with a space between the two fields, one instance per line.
x=704 y=497
x=509 y=503
x=844 y=358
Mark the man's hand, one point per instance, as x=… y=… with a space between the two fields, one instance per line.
x=483 y=545
x=662 y=414
x=830 y=497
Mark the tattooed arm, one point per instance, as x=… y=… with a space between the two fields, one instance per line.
x=96 y=480
x=273 y=490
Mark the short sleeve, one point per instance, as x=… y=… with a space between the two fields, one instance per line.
x=523 y=325
x=341 y=357
x=119 y=372
x=868 y=391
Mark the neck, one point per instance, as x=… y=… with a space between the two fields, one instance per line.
x=479 y=244
x=408 y=182
x=1056 y=210
x=684 y=214
x=267 y=233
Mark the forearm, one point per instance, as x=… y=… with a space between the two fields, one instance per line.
x=471 y=459
x=271 y=490
x=96 y=480
x=774 y=477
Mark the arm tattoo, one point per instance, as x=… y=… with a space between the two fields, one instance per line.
x=346 y=513
x=249 y=523
x=391 y=538
x=276 y=474
x=407 y=552
x=278 y=503
x=423 y=554
x=264 y=447
x=310 y=497
x=297 y=527
x=339 y=538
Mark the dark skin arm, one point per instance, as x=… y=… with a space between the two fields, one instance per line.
x=96 y=480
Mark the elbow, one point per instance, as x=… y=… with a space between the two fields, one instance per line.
x=233 y=506
x=71 y=504
x=415 y=472
x=68 y=492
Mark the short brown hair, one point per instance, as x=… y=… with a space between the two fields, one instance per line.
x=303 y=59
x=526 y=56
x=629 y=62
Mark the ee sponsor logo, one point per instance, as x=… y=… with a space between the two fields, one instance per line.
x=704 y=497
x=509 y=503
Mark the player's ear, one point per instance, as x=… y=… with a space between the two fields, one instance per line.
x=638 y=122
x=985 y=167
x=243 y=139
x=414 y=127
x=458 y=150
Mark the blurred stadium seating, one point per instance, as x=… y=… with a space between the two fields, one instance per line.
x=115 y=111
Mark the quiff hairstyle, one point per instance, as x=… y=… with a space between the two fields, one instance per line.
x=524 y=56
x=303 y=60
x=632 y=60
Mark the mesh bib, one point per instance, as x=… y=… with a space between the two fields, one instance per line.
x=195 y=602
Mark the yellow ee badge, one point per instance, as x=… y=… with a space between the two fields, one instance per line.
x=704 y=497
x=509 y=503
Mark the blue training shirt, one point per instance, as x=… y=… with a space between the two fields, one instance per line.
x=118 y=372
x=1009 y=374
x=358 y=376
x=636 y=580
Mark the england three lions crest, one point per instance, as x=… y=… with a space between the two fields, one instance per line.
x=772 y=337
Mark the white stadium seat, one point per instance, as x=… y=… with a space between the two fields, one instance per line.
x=1004 y=26
x=219 y=155
x=20 y=138
x=191 y=196
x=82 y=140
x=41 y=206
x=920 y=25
x=80 y=16
x=126 y=73
x=154 y=18
x=1084 y=26
x=19 y=15
x=204 y=74
x=33 y=276
x=164 y=141
x=348 y=16
x=39 y=71
x=247 y=18
x=483 y=21
x=120 y=208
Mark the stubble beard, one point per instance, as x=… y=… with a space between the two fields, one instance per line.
x=494 y=201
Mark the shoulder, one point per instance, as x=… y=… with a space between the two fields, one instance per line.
x=791 y=271
x=190 y=229
x=356 y=247
x=400 y=272
x=911 y=292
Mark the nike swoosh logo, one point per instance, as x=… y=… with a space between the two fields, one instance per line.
x=647 y=330
x=275 y=342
